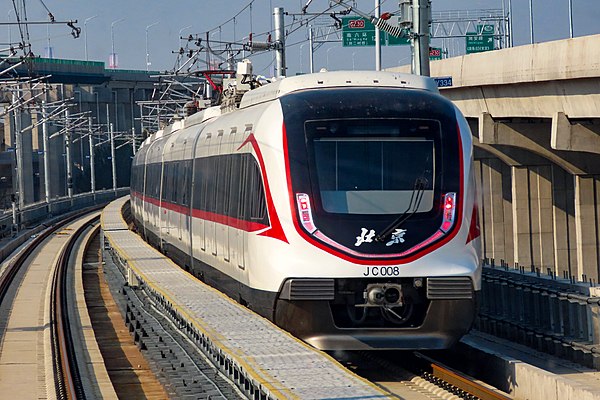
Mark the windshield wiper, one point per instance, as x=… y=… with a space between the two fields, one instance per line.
x=415 y=201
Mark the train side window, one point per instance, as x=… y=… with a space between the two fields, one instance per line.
x=165 y=181
x=223 y=177
x=199 y=184
x=186 y=166
x=175 y=171
x=243 y=191
x=211 y=192
x=257 y=205
x=234 y=187
x=152 y=180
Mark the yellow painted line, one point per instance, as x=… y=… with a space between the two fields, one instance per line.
x=216 y=338
x=250 y=365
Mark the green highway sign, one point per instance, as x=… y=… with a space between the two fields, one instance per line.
x=360 y=32
x=397 y=41
x=482 y=40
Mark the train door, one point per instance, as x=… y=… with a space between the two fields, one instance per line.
x=211 y=193
x=185 y=215
x=238 y=235
x=166 y=200
x=159 y=218
x=198 y=206
x=223 y=187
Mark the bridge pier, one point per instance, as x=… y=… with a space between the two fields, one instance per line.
x=554 y=194
x=563 y=205
x=532 y=216
x=496 y=213
x=587 y=224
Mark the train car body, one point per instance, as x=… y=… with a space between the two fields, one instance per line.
x=340 y=205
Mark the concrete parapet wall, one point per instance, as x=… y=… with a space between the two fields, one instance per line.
x=558 y=60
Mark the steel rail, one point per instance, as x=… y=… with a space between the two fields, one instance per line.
x=65 y=357
x=439 y=371
x=7 y=280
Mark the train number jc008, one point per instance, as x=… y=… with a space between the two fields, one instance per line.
x=382 y=271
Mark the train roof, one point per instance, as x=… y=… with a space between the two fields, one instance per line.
x=336 y=79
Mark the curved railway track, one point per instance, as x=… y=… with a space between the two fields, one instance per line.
x=66 y=377
x=428 y=378
x=69 y=384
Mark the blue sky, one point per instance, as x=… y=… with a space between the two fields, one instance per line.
x=550 y=23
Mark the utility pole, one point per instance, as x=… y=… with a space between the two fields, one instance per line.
x=113 y=158
x=147 y=50
x=68 y=151
x=46 y=143
x=279 y=42
x=85 y=35
x=92 y=166
x=20 y=184
x=571 y=19
x=311 y=54
x=420 y=39
x=133 y=144
x=510 y=24
x=377 y=37
x=531 y=35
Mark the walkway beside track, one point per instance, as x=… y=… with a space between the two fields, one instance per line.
x=258 y=353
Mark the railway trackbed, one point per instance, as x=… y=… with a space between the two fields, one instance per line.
x=47 y=344
x=37 y=357
x=426 y=377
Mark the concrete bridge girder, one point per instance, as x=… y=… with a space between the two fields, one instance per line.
x=536 y=137
x=578 y=98
x=575 y=136
x=537 y=118
x=554 y=196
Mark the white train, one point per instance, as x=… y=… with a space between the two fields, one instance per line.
x=340 y=205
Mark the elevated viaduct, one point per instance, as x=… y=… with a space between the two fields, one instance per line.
x=534 y=112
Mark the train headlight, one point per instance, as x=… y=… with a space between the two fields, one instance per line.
x=305 y=212
x=449 y=211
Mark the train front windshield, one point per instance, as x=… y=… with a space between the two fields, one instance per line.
x=373 y=167
x=364 y=161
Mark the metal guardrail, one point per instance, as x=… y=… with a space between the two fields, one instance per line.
x=552 y=315
x=39 y=215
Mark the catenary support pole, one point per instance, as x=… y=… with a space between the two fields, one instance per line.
x=133 y=143
x=531 y=34
x=280 y=42
x=571 y=19
x=113 y=158
x=68 y=154
x=92 y=164
x=20 y=176
x=377 y=37
x=311 y=53
x=46 y=143
x=420 y=40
